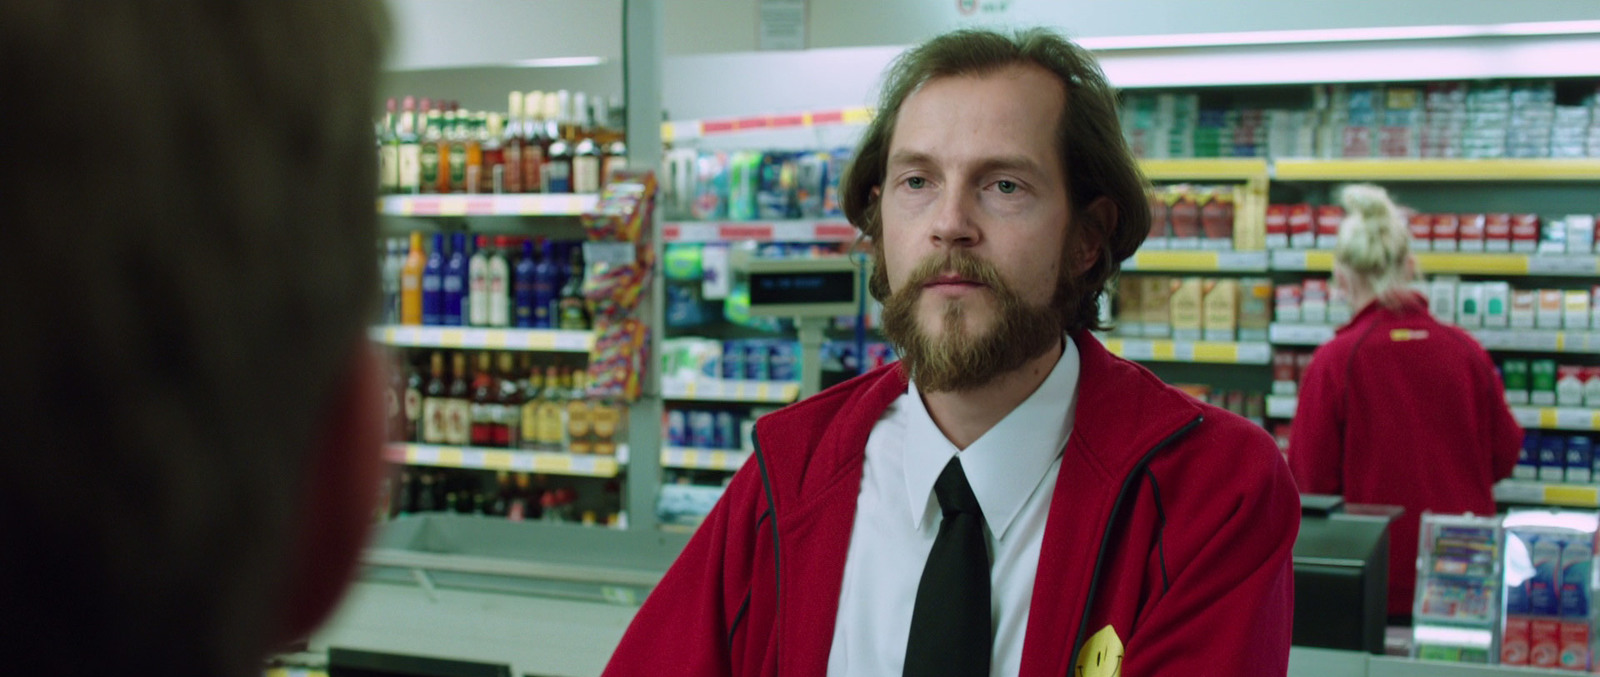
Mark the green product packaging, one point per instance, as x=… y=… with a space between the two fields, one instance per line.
x=1515 y=373
x=681 y=262
x=1542 y=381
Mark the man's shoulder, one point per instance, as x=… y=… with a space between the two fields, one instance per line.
x=1227 y=449
x=840 y=401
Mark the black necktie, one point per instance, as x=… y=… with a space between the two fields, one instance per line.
x=950 y=628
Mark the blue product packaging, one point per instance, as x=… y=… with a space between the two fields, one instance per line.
x=1528 y=458
x=1580 y=459
x=811 y=183
x=733 y=359
x=830 y=192
x=1552 y=458
x=677 y=428
x=1542 y=599
x=702 y=429
x=727 y=431
x=757 y=364
x=775 y=189
x=783 y=361
x=1576 y=559
x=710 y=200
x=433 y=283
x=683 y=307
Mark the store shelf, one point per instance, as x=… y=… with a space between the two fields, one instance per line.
x=538 y=204
x=1547 y=493
x=730 y=390
x=480 y=458
x=679 y=130
x=544 y=340
x=1557 y=418
x=1425 y=169
x=703 y=459
x=1204 y=169
x=1531 y=340
x=1462 y=263
x=1196 y=261
x=804 y=230
x=1282 y=406
x=1211 y=352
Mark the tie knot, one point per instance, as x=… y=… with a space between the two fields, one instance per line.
x=954 y=494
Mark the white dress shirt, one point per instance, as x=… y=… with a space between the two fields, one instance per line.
x=1012 y=469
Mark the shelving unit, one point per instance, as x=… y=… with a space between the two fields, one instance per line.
x=803 y=230
x=1532 y=340
x=730 y=390
x=695 y=458
x=1533 y=418
x=1532 y=492
x=1426 y=169
x=487 y=205
x=1461 y=263
x=1187 y=261
x=1209 y=352
x=1205 y=169
x=481 y=458
x=474 y=338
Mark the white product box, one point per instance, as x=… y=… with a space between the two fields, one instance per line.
x=1580 y=234
x=1442 y=298
x=1524 y=308
x=1569 y=386
x=1496 y=304
x=1550 y=308
x=1575 y=310
x=1469 y=305
x=1591 y=387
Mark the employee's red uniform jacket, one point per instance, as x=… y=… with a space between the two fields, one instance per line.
x=1399 y=409
x=1172 y=524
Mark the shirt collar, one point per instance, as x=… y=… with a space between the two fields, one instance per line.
x=1006 y=464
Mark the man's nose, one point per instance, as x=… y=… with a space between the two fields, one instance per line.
x=953 y=222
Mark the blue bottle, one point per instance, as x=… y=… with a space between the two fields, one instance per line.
x=455 y=282
x=523 y=287
x=546 y=280
x=433 y=283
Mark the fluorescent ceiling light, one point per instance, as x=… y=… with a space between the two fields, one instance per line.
x=560 y=62
x=1338 y=35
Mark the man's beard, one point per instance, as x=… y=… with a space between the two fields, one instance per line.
x=956 y=359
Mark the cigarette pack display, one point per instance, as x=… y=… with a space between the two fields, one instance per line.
x=1160 y=230
x=1496 y=304
x=1328 y=219
x=1524 y=308
x=1569 y=386
x=1314 y=302
x=1277 y=226
x=1421 y=231
x=1525 y=233
x=1553 y=237
x=1552 y=306
x=1442 y=298
x=1457 y=591
x=1575 y=309
x=1302 y=227
x=1187 y=296
x=1552 y=458
x=1183 y=212
x=1283 y=374
x=1580 y=465
x=1216 y=218
x=1287 y=303
x=1542 y=383
x=1591 y=387
x=1594 y=308
x=1155 y=294
x=1497 y=233
x=1580 y=234
x=1446 y=228
x=1515 y=375
x=1469 y=305
x=1528 y=457
x=1255 y=308
x=1470 y=232
x=1220 y=316
x=1129 y=309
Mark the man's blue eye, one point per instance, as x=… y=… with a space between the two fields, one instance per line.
x=916 y=182
x=1006 y=187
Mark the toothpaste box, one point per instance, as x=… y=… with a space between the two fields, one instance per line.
x=1497 y=233
x=1446 y=228
x=1569 y=386
x=1287 y=303
x=1551 y=308
x=1469 y=305
x=1328 y=219
x=1528 y=457
x=1542 y=383
x=1277 y=226
x=1515 y=375
x=1302 y=227
x=1470 y=235
x=1575 y=310
x=1544 y=642
x=1514 y=641
x=1525 y=233
x=1421 y=231
x=1314 y=302
x=1496 y=304
x=1524 y=308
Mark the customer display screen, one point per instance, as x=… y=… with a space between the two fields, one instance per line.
x=808 y=287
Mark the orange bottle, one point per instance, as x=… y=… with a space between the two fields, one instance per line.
x=411 y=282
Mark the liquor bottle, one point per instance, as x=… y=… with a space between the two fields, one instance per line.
x=523 y=287
x=457 y=135
x=558 y=157
x=485 y=403
x=511 y=146
x=455 y=282
x=434 y=153
x=508 y=423
x=586 y=151
x=606 y=424
x=532 y=391
x=411 y=283
x=433 y=284
x=435 y=403
x=394 y=399
x=494 y=156
x=578 y=414
x=517 y=507
x=413 y=402
x=459 y=421
x=478 y=285
x=410 y=149
x=550 y=423
x=614 y=161
x=544 y=290
x=534 y=143
x=427 y=499
x=389 y=152
x=472 y=141
x=499 y=285
x=574 y=307
x=393 y=261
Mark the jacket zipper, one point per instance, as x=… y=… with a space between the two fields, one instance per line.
x=1105 y=538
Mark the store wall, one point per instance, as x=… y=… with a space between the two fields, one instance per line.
x=459 y=33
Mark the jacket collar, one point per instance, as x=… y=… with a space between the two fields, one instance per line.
x=1123 y=409
x=1411 y=304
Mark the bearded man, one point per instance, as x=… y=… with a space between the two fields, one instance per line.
x=1009 y=499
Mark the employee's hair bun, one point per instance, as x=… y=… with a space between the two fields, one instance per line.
x=1370 y=202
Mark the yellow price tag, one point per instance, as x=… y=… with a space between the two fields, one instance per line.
x=763 y=392
x=451 y=457
x=719 y=460
x=691 y=459
x=1548 y=417
x=497 y=460
x=452 y=338
x=1164 y=350
x=1226 y=353
x=1570 y=495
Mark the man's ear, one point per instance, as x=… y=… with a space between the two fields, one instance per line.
x=335 y=514
x=1100 y=223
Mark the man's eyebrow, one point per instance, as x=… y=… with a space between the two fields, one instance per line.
x=1016 y=163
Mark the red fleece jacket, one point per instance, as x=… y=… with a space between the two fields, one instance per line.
x=1172 y=523
x=1399 y=409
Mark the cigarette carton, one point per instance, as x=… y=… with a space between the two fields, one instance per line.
x=1515 y=375
x=1421 y=231
x=1220 y=317
x=1497 y=233
x=1580 y=456
x=1528 y=458
x=1302 y=230
x=1569 y=386
x=1442 y=298
x=1156 y=295
x=1445 y=230
x=1542 y=383
x=1287 y=303
x=1255 y=308
x=1328 y=219
x=1314 y=301
x=1575 y=310
x=1470 y=232
x=1524 y=308
x=1525 y=233
x=1580 y=234
x=1469 y=305
x=1187 y=323
x=1496 y=304
x=1591 y=387
x=1551 y=308
x=1277 y=226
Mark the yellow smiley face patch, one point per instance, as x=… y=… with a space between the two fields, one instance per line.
x=1101 y=656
